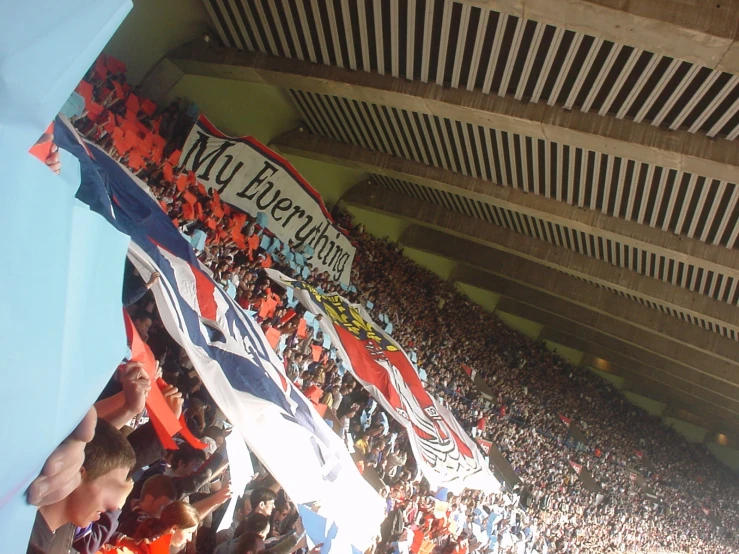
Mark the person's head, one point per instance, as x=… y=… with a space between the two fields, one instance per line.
x=250 y=543
x=215 y=433
x=178 y=518
x=183 y=520
x=243 y=508
x=187 y=460
x=375 y=430
x=281 y=511
x=105 y=483
x=158 y=491
x=262 y=500
x=142 y=323
x=257 y=523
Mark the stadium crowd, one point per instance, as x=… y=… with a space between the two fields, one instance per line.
x=652 y=493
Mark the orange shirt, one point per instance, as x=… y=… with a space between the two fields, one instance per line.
x=127 y=545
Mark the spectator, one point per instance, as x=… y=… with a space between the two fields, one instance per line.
x=105 y=484
x=157 y=493
x=174 y=528
x=534 y=392
x=262 y=501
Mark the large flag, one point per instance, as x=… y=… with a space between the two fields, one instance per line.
x=254 y=178
x=585 y=477
x=230 y=352
x=645 y=462
x=446 y=456
x=638 y=479
x=482 y=386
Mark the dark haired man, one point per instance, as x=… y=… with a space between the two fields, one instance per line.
x=262 y=500
x=105 y=484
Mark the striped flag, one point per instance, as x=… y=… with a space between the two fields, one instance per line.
x=230 y=352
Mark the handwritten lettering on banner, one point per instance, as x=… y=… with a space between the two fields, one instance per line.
x=255 y=179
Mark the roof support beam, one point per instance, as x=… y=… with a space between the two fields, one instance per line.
x=701 y=31
x=705 y=414
x=618 y=349
x=680 y=404
x=678 y=150
x=681 y=249
x=701 y=371
x=628 y=358
x=629 y=367
x=523 y=254
x=602 y=310
x=380 y=199
x=655 y=390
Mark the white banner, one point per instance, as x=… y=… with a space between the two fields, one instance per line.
x=445 y=454
x=245 y=378
x=255 y=179
x=242 y=472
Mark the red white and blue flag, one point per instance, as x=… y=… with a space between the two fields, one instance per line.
x=229 y=350
x=445 y=454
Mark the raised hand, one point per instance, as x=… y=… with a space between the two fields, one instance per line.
x=61 y=472
x=136 y=386
x=174 y=399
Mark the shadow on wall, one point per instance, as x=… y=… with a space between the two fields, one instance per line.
x=153 y=28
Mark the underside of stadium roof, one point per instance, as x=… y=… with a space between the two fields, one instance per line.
x=577 y=158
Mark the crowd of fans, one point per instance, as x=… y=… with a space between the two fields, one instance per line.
x=653 y=488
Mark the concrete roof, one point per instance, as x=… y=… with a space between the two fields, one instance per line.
x=577 y=157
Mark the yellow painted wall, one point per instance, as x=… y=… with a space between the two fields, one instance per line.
x=653 y=407
x=615 y=380
x=239 y=108
x=379 y=225
x=729 y=456
x=330 y=180
x=570 y=354
x=528 y=328
x=152 y=29
x=484 y=298
x=441 y=266
x=692 y=433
